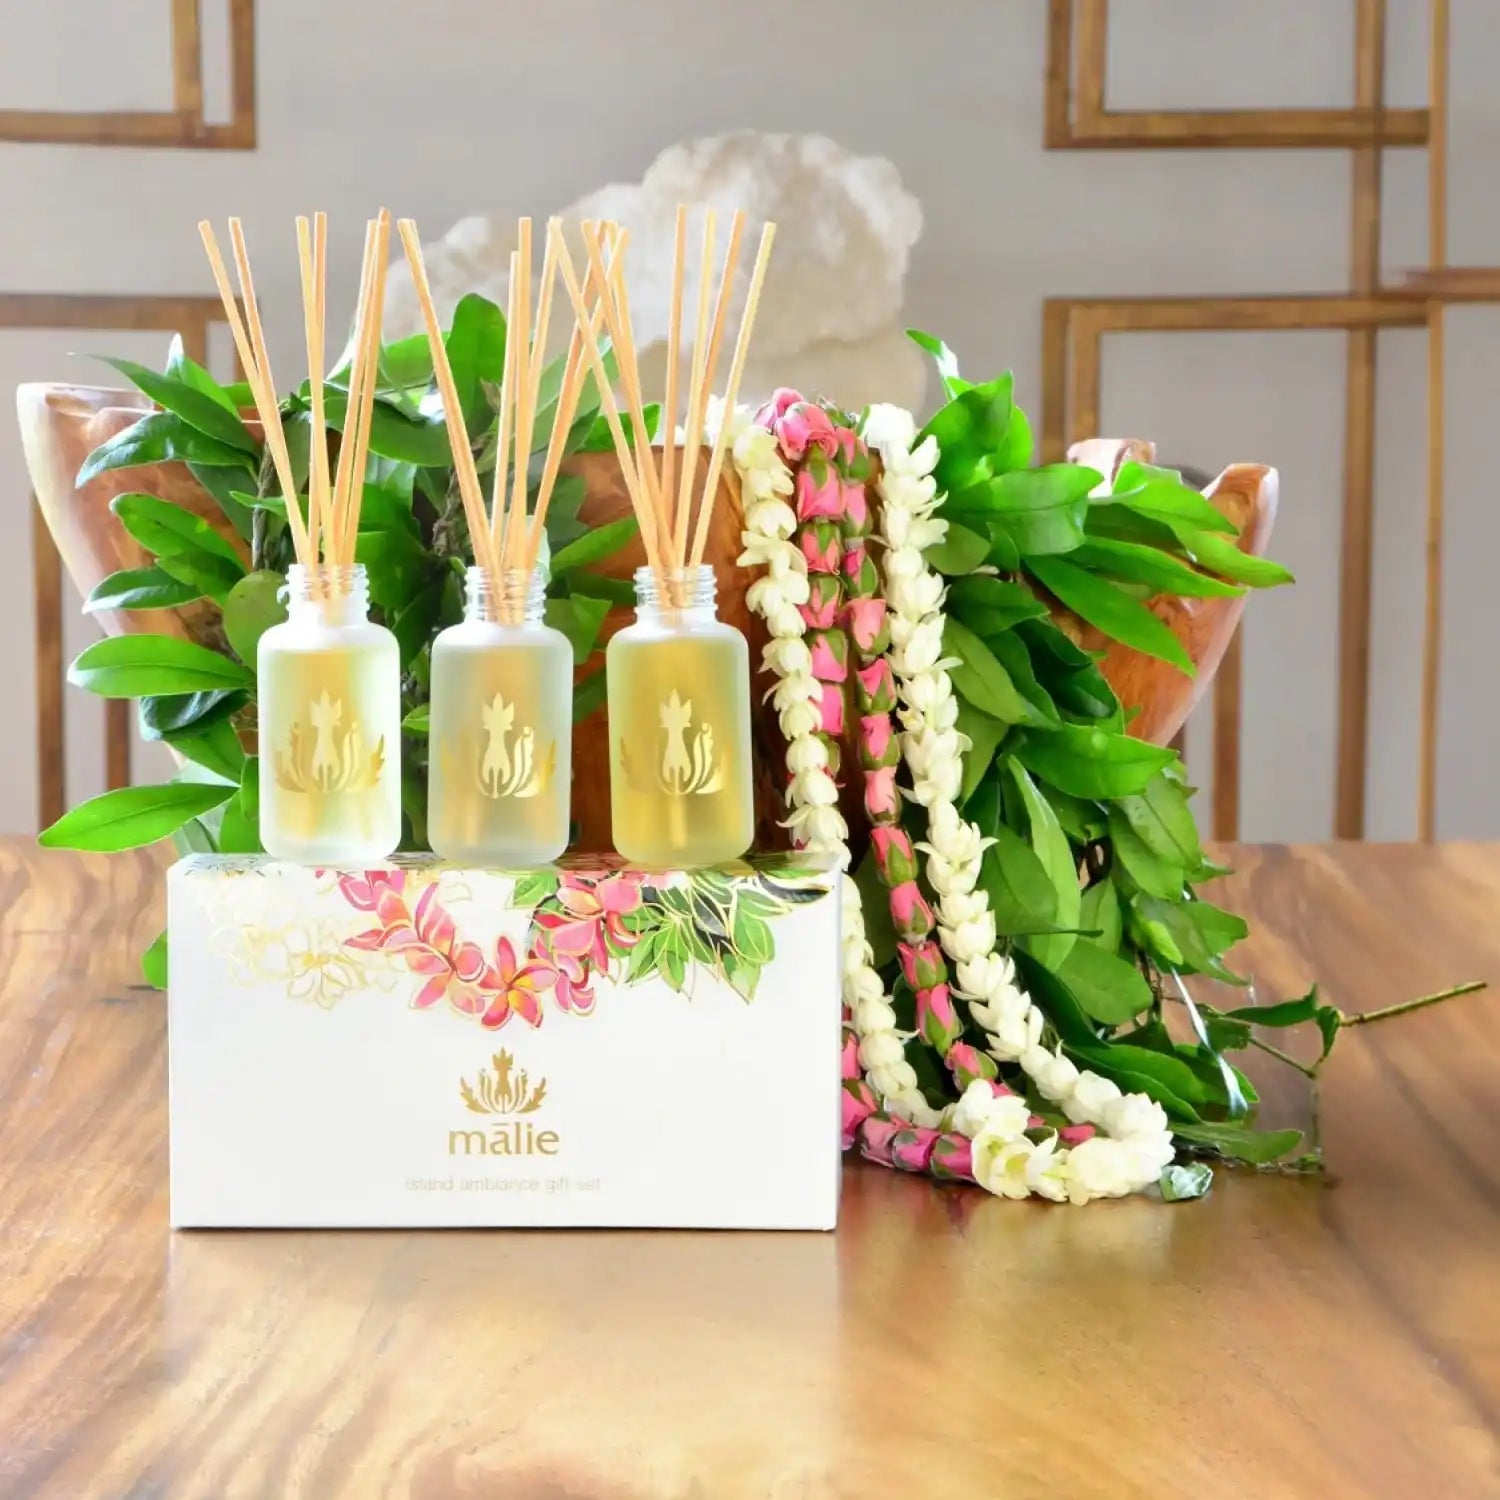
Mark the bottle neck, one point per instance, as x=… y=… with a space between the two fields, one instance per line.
x=676 y=595
x=514 y=597
x=331 y=595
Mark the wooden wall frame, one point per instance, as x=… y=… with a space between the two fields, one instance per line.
x=1077 y=116
x=184 y=124
x=1073 y=330
x=190 y=316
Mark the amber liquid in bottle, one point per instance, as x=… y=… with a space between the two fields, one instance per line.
x=679 y=728
x=330 y=725
x=500 y=729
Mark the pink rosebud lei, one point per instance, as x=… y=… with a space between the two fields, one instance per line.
x=858 y=1105
x=877 y=1137
x=1075 y=1135
x=912 y=1150
x=875 y=737
x=831 y=710
x=828 y=664
x=893 y=853
x=856 y=508
x=866 y=622
x=822 y=554
x=922 y=963
x=881 y=800
x=953 y=1156
x=937 y=1020
x=819 y=501
x=967 y=1063
x=794 y=430
x=819 y=613
x=910 y=911
x=848 y=439
x=877 y=686
x=782 y=400
x=821 y=433
x=849 y=1058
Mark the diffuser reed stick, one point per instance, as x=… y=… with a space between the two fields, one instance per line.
x=507 y=538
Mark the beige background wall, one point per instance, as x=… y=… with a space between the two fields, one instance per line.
x=457 y=106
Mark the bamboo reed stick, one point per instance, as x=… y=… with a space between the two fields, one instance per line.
x=694 y=427
x=731 y=390
x=317 y=496
x=515 y=519
x=500 y=486
x=611 y=410
x=469 y=488
x=355 y=358
x=674 y=350
x=374 y=316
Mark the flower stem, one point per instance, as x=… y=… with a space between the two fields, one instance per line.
x=1285 y=1057
x=1410 y=1005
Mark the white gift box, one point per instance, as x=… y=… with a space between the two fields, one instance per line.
x=426 y=1045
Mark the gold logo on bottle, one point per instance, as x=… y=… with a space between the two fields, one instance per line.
x=690 y=765
x=502 y=761
x=505 y=1091
x=324 y=755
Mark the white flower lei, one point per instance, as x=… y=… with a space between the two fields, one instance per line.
x=1134 y=1142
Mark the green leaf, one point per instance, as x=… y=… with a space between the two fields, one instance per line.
x=159 y=438
x=418 y=721
x=139 y=588
x=418 y=440
x=1021 y=894
x=979 y=677
x=578 y=617
x=1165 y=1078
x=476 y=352
x=960 y=551
x=1239 y=1141
x=1199 y=932
x=1015 y=448
x=880 y=930
x=1284 y=1013
x=223 y=484
x=1148 y=870
x=752 y=938
x=201 y=411
x=1223 y=556
x=1092 y=762
x=162 y=715
x=154 y=962
x=1010 y=651
x=1041 y=510
x=132 y=816
x=214 y=746
x=398 y=567
x=207 y=414
x=1180 y=1184
x=1160 y=495
x=1149 y=565
x=972 y=425
x=168 y=530
x=239 y=832
x=989 y=606
x=1108 y=988
x=984 y=735
x=595 y=545
x=1162 y=819
x=1057 y=1002
x=1100 y=910
x=589 y=695
x=1056 y=854
x=945 y=359
x=254 y=605
x=1103 y=605
x=189 y=372
x=386 y=508
x=416 y=622
x=129 y=666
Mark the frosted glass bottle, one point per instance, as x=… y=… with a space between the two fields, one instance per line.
x=500 y=728
x=679 y=728
x=330 y=725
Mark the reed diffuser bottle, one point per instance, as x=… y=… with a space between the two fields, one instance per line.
x=678 y=679
x=328 y=678
x=679 y=727
x=330 y=724
x=500 y=728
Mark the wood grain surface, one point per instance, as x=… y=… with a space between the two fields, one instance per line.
x=1284 y=1338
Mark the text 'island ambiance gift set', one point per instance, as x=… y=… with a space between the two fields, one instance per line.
x=481 y=1035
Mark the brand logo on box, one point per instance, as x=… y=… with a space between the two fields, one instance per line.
x=503 y=1089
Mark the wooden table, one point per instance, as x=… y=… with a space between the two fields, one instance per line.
x=1284 y=1338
